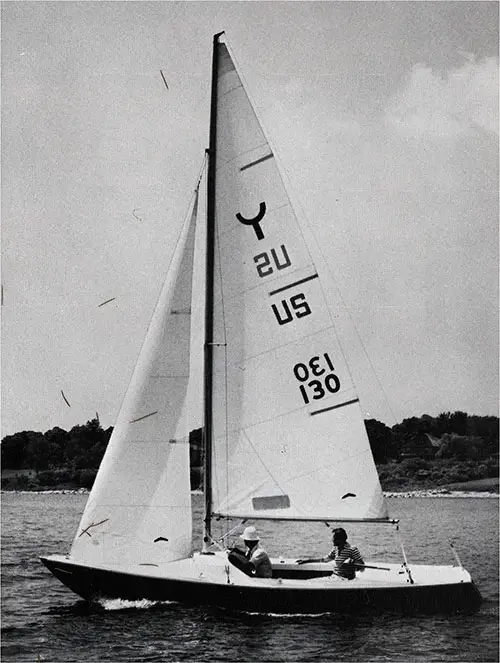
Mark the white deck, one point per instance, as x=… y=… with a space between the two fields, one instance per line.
x=216 y=569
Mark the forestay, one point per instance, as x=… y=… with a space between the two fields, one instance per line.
x=139 y=510
x=288 y=434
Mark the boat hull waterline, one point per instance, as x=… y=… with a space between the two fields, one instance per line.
x=210 y=580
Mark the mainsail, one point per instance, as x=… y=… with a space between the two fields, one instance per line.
x=139 y=510
x=288 y=439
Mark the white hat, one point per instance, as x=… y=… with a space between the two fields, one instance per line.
x=250 y=534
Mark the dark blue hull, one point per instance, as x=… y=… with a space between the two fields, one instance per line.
x=94 y=584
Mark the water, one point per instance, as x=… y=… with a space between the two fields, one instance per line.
x=43 y=621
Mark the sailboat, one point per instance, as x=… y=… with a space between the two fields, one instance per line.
x=284 y=436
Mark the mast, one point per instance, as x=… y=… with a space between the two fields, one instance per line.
x=209 y=294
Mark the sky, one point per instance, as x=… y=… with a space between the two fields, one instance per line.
x=384 y=117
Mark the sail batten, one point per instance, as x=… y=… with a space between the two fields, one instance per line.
x=293 y=285
x=334 y=407
x=257 y=161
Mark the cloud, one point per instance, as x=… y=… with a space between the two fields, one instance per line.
x=461 y=102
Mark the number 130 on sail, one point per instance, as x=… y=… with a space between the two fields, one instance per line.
x=324 y=379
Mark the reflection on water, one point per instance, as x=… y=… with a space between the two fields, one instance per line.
x=42 y=618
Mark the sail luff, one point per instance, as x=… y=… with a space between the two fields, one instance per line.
x=209 y=295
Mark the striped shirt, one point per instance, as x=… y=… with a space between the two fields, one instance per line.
x=343 y=567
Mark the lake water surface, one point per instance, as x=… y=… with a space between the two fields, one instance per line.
x=44 y=621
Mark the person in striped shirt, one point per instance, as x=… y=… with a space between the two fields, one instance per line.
x=347 y=559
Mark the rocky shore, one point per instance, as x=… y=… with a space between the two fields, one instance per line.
x=440 y=492
x=407 y=494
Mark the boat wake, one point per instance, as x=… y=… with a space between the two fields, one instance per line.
x=122 y=604
x=289 y=615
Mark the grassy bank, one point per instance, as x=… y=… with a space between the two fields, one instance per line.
x=479 y=486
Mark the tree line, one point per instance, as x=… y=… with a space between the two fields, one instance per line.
x=420 y=451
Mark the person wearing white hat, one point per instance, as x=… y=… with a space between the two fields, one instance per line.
x=256 y=554
x=255 y=561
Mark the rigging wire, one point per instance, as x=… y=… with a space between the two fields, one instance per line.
x=405 y=562
x=455 y=553
x=202 y=169
x=229 y=532
x=439 y=517
x=224 y=344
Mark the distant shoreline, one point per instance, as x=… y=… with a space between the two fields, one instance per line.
x=406 y=494
x=438 y=493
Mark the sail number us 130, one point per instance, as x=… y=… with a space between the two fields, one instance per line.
x=324 y=380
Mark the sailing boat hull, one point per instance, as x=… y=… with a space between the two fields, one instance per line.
x=229 y=589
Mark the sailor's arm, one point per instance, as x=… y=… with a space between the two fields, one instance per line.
x=310 y=560
x=358 y=560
